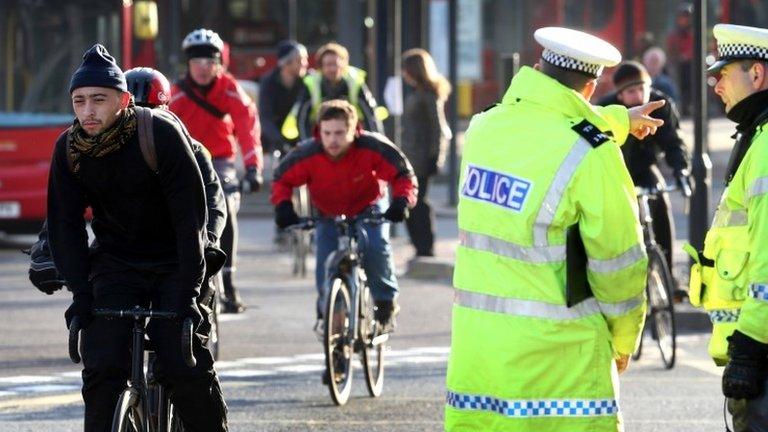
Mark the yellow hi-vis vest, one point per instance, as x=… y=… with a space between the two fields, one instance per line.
x=355 y=79
x=521 y=360
x=734 y=290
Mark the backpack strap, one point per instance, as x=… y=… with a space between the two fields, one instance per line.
x=70 y=158
x=202 y=103
x=146 y=137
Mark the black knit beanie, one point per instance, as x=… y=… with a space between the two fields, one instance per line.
x=630 y=73
x=98 y=69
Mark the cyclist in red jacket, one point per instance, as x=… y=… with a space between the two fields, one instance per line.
x=217 y=112
x=347 y=171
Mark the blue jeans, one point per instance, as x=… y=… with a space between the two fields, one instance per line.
x=377 y=257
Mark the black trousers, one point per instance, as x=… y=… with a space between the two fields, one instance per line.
x=661 y=209
x=421 y=222
x=106 y=346
x=227 y=173
x=750 y=415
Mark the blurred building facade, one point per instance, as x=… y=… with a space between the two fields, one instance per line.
x=43 y=40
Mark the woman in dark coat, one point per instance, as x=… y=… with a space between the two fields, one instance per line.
x=425 y=132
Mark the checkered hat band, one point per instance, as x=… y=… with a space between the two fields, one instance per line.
x=571 y=63
x=535 y=407
x=741 y=51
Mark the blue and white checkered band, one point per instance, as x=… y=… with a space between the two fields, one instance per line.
x=741 y=51
x=571 y=63
x=724 y=316
x=534 y=408
x=759 y=291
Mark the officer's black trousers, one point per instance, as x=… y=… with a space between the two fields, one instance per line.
x=106 y=346
x=750 y=415
x=421 y=222
x=661 y=210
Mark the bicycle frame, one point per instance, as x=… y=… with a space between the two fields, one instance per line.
x=345 y=263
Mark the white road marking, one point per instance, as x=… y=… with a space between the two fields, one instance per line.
x=26 y=379
x=247 y=368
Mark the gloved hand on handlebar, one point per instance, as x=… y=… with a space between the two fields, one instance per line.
x=186 y=307
x=285 y=215
x=82 y=307
x=252 y=180
x=398 y=210
x=684 y=181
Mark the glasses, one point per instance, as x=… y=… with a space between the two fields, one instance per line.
x=208 y=62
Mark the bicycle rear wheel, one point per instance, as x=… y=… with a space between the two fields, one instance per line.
x=662 y=312
x=129 y=414
x=373 y=355
x=338 y=352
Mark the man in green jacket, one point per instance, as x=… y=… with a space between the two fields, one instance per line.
x=529 y=351
x=730 y=277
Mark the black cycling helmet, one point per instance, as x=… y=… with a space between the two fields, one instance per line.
x=149 y=87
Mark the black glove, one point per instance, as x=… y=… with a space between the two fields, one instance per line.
x=187 y=307
x=252 y=180
x=45 y=278
x=285 y=215
x=398 y=210
x=684 y=181
x=215 y=258
x=746 y=372
x=82 y=307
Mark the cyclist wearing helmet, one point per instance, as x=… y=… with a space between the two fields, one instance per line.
x=217 y=111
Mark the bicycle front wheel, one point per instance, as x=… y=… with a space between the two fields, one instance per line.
x=338 y=350
x=373 y=347
x=662 y=312
x=129 y=414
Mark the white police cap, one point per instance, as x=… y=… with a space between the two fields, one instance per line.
x=736 y=42
x=575 y=50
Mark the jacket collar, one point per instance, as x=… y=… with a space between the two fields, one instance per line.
x=535 y=87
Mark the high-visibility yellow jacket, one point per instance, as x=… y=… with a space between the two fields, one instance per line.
x=734 y=290
x=355 y=81
x=521 y=360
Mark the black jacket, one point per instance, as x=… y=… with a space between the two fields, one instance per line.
x=142 y=220
x=641 y=155
x=423 y=135
x=275 y=102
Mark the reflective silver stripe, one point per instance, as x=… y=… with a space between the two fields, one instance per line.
x=555 y=192
x=629 y=257
x=527 y=308
x=621 y=308
x=728 y=218
x=531 y=254
x=759 y=187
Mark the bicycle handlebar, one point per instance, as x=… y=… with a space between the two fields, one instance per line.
x=686 y=190
x=135 y=313
x=187 y=330
x=309 y=223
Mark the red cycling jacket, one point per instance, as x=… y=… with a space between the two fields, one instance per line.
x=218 y=134
x=349 y=185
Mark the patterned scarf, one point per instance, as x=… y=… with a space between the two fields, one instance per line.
x=106 y=142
